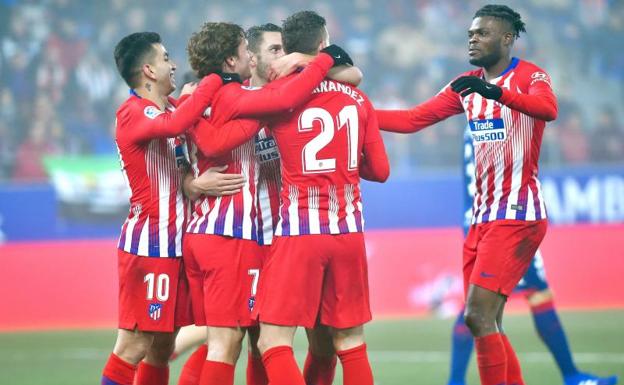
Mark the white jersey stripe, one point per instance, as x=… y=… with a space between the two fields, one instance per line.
x=333 y=211
x=349 y=208
x=144 y=238
x=293 y=210
x=313 y=210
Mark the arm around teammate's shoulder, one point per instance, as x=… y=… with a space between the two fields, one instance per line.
x=148 y=122
x=287 y=94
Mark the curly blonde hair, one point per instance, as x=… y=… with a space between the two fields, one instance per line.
x=211 y=45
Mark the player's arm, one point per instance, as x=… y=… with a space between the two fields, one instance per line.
x=293 y=92
x=374 y=164
x=156 y=124
x=214 y=141
x=443 y=105
x=212 y=182
x=288 y=64
x=540 y=101
x=346 y=74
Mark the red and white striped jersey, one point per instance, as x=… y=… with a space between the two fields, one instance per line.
x=236 y=215
x=153 y=169
x=507 y=135
x=152 y=155
x=321 y=145
x=268 y=185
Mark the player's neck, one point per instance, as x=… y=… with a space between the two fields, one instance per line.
x=150 y=92
x=496 y=69
x=257 y=81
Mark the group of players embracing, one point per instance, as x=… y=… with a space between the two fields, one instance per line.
x=246 y=212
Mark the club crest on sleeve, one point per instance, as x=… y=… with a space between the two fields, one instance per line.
x=155 y=310
x=152 y=112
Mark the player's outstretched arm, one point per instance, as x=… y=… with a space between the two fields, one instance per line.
x=374 y=164
x=215 y=141
x=152 y=123
x=443 y=105
x=212 y=182
x=539 y=102
x=292 y=92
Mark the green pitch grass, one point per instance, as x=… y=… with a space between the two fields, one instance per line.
x=408 y=351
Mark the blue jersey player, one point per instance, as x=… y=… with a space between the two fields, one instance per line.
x=535 y=288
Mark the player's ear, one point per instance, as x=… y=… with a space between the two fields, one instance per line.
x=253 y=60
x=508 y=38
x=230 y=63
x=148 y=71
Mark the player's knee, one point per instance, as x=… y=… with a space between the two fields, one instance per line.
x=225 y=345
x=161 y=349
x=540 y=297
x=350 y=338
x=478 y=322
x=132 y=348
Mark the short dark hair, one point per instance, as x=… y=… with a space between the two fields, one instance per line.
x=211 y=45
x=503 y=12
x=254 y=35
x=132 y=52
x=302 y=32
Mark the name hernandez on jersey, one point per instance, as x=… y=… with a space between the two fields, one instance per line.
x=506 y=135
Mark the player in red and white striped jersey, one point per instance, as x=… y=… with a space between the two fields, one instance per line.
x=153 y=294
x=507 y=102
x=316 y=269
x=149 y=136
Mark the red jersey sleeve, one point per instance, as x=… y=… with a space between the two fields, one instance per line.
x=283 y=95
x=374 y=165
x=215 y=141
x=445 y=104
x=153 y=123
x=539 y=102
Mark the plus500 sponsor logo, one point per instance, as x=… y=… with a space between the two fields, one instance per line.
x=487 y=130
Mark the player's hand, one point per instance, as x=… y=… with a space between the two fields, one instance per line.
x=188 y=88
x=465 y=85
x=340 y=56
x=288 y=64
x=229 y=77
x=214 y=182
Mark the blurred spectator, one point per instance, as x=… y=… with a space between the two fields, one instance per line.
x=56 y=67
x=607 y=144
x=574 y=144
x=30 y=154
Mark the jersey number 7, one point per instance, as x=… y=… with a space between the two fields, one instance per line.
x=348 y=117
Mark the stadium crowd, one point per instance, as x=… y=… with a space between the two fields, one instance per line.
x=59 y=89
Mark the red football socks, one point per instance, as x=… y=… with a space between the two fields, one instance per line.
x=491 y=359
x=217 y=373
x=319 y=370
x=256 y=375
x=192 y=369
x=514 y=372
x=281 y=367
x=118 y=371
x=147 y=374
x=356 y=369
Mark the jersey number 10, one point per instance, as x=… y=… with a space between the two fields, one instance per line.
x=348 y=117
